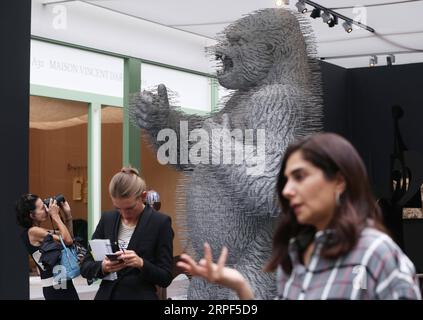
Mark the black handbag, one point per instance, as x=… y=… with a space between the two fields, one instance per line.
x=50 y=252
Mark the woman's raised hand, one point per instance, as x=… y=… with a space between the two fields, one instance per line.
x=216 y=272
x=53 y=209
x=66 y=210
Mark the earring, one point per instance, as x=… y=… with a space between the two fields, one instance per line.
x=338 y=199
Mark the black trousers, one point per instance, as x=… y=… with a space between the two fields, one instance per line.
x=50 y=293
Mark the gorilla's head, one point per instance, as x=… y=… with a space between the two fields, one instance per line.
x=254 y=45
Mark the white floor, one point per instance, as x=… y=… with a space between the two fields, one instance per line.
x=176 y=291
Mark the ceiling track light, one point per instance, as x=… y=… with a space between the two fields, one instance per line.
x=301 y=6
x=372 y=61
x=390 y=59
x=315 y=13
x=327 y=18
x=347 y=26
x=333 y=22
x=331 y=17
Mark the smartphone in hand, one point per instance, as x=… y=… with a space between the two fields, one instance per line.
x=113 y=257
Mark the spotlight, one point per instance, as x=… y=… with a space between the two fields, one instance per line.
x=327 y=18
x=315 y=13
x=373 y=61
x=347 y=26
x=328 y=15
x=333 y=22
x=390 y=60
x=301 y=7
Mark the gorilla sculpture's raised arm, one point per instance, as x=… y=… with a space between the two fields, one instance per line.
x=153 y=113
x=265 y=58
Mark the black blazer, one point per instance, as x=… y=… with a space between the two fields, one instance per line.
x=152 y=240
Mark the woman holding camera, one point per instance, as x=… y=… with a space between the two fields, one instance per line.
x=31 y=213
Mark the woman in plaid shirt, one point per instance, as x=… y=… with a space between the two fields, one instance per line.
x=330 y=242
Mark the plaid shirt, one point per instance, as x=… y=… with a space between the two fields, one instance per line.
x=375 y=269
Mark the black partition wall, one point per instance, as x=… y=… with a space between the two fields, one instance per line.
x=15 y=17
x=335 y=93
x=358 y=105
x=375 y=91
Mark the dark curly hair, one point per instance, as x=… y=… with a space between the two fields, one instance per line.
x=24 y=206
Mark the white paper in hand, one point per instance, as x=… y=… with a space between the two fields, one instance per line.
x=99 y=249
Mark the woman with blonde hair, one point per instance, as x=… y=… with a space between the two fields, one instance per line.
x=141 y=238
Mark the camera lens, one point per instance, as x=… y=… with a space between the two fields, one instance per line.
x=46 y=201
x=60 y=198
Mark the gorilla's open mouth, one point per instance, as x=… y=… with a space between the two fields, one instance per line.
x=226 y=63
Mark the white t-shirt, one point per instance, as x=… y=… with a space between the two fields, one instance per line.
x=124 y=235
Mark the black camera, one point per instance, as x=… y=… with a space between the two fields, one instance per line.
x=59 y=199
